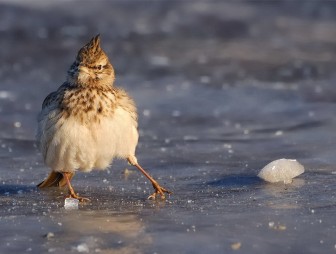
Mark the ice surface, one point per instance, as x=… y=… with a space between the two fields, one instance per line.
x=282 y=170
x=242 y=83
x=71 y=203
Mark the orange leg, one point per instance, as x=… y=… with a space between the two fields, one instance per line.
x=158 y=189
x=71 y=190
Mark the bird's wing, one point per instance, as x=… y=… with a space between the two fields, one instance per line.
x=126 y=102
x=49 y=99
x=52 y=97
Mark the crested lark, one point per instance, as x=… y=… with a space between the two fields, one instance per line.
x=87 y=122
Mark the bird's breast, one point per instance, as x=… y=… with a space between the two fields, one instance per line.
x=89 y=105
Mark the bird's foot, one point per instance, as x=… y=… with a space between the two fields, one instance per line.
x=159 y=190
x=81 y=199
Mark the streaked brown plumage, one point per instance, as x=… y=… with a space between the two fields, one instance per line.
x=88 y=121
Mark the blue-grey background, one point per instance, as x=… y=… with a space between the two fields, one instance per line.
x=222 y=88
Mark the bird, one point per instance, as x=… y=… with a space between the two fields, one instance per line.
x=87 y=122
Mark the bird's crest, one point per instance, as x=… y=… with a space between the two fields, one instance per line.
x=91 y=51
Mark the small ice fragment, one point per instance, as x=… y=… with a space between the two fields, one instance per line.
x=278 y=133
x=83 y=247
x=236 y=246
x=228 y=146
x=282 y=170
x=17 y=124
x=50 y=235
x=71 y=203
x=282 y=227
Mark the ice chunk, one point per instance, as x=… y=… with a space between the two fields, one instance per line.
x=50 y=235
x=83 y=247
x=281 y=170
x=236 y=246
x=71 y=203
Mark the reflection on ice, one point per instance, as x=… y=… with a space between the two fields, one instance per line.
x=93 y=231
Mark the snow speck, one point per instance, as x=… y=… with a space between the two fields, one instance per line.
x=278 y=133
x=146 y=113
x=17 y=124
x=6 y=95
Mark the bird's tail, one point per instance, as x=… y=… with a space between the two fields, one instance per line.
x=55 y=179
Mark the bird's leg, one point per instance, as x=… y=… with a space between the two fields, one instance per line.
x=71 y=190
x=158 y=189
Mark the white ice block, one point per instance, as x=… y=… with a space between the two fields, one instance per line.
x=71 y=203
x=282 y=170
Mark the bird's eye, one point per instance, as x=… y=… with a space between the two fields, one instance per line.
x=99 y=67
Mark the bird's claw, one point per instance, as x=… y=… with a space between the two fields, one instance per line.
x=159 y=190
x=81 y=199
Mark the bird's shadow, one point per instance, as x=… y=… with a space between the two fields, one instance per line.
x=12 y=189
x=237 y=181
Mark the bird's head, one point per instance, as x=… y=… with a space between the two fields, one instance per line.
x=92 y=66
